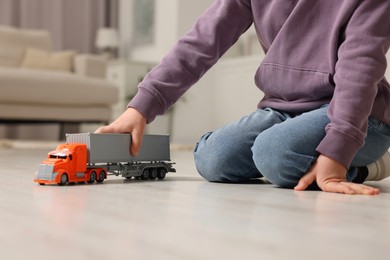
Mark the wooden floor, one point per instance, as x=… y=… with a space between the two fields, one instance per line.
x=182 y=217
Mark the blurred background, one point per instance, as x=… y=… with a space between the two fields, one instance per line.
x=73 y=65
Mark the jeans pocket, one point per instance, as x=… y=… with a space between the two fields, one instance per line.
x=379 y=126
x=385 y=129
x=202 y=139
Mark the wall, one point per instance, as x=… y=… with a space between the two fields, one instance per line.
x=189 y=11
x=165 y=33
x=172 y=19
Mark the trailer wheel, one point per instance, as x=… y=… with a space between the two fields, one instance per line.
x=153 y=174
x=92 y=177
x=162 y=173
x=145 y=174
x=63 y=180
x=102 y=176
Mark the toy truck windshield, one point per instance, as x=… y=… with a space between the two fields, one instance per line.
x=58 y=155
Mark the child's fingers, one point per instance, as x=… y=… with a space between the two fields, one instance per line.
x=362 y=189
x=136 y=141
x=103 y=129
x=305 y=181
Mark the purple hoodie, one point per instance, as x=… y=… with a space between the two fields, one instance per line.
x=317 y=52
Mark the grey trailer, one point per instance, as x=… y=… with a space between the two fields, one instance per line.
x=115 y=148
x=112 y=152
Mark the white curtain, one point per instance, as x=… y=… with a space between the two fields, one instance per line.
x=72 y=23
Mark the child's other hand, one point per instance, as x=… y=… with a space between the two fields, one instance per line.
x=131 y=121
x=331 y=177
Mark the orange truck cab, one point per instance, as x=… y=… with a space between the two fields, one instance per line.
x=68 y=163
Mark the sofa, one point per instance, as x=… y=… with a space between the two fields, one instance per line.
x=39 y=85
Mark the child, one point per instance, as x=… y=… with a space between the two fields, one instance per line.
x=326 y=111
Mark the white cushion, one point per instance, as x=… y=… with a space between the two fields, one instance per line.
x=41 y=59
x=14 y=41
x=51 y=87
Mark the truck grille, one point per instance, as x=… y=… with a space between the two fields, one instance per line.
x=45 y=172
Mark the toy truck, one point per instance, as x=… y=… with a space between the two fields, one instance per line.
x=88 y=157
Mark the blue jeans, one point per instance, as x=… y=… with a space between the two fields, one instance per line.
x=278 y=146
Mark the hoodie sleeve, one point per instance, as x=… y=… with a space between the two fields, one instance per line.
x=211 y=36
x=360 y=67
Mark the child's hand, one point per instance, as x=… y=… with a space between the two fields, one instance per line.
x=331 y=177
x=131 y=121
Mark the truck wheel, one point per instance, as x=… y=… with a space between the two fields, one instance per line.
x=92 y=177
x=63 y=180
x=145 y=174
x=153 y=174
x=102 y=176
x=162 y=173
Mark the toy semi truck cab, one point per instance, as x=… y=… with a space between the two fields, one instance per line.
x=87 y=157
x=68 y=163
